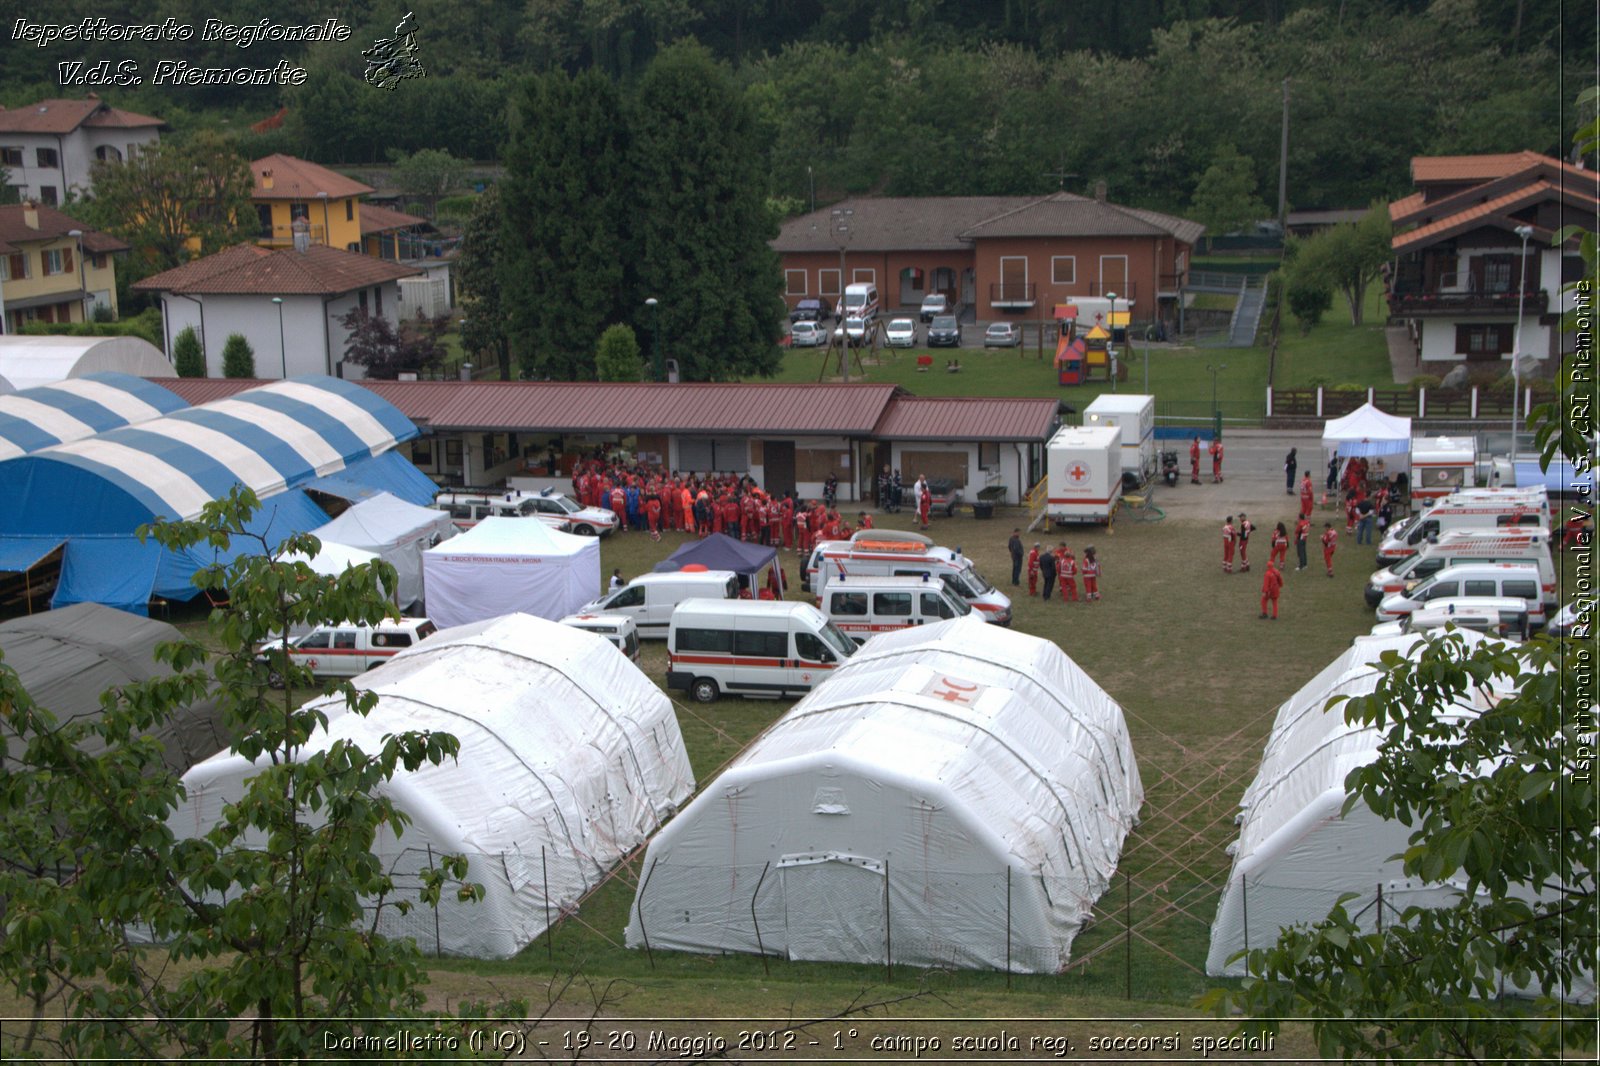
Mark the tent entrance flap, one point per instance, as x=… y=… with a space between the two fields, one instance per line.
x=835 y=908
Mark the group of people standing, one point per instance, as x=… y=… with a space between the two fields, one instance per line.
x=1055 y=565
x=1215 y=448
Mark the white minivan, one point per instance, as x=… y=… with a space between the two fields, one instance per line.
x=865 y=606
x=901 y=558
x=1521 y=545
x=650 y=598
x=1488 y=509
x=1520 y=580
x=751 y=648
x=614 y=628
x=1495 y=616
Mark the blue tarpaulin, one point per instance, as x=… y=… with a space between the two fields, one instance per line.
x=390 y=472
x=720 y=552
x=116 y=571
x=21 y=553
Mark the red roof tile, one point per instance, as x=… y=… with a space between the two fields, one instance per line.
x=247 y=269
x=298 y=179
x=968 y=419
x=1488 y=212
x=376 y=218
x=53 y=225
x=64 y=116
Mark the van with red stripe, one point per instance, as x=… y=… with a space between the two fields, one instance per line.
x=1520 y=545
x=864 y=607
x=900 y=558
x=751 y=648
x=346 y=649
x=1487 y=509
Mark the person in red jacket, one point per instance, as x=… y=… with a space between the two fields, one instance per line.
x=802 y=531
x=1227 y=545
x=652 y=514
x=686 y=509
x=1302 y=533
x=1330 y=541
x=1216 y=461
x=1279 y=552
x=866 y=521
x=1245 y=528
x=619 y=507
x=1067 y=573
x=1091 y=574
x=1306 y=496
x=1271 y=585
x=1194 y=460
x=924 y=503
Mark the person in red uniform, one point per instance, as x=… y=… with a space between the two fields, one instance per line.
x=1306 y=496
x=1033 y=570
x=1279 y=552
x=1271 y=585
x=866 y=521
x=924 y=503
x=1194 y=460
x=652 y=514
x=774 y=523
x=1216 y=461
x=786 y=520
x=1245 y=528
x=1091 y=574
x=619 y=507
x=686 y=508
x=802 y=531
x=1330 y=541
x=1227 y=545
x=1067 y=573
x=1302 y=533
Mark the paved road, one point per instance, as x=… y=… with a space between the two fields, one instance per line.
x=1252 y=471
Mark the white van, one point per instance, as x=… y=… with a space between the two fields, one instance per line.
x=899 y=558
x=467 y=509
x=1495 y=616
x=649 y=598
x=860 y=301
x=863 y=606
x=617 y=629
x=813 y=563
x=345 y=649
x=1520 y=580
x=1467 y=509
x=751 y=648
x=1465 y=546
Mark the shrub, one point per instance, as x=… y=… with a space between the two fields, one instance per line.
x=187 y=357
x=1425 y=381
x=457 y=208
x=238 y=358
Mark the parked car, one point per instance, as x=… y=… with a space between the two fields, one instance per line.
x=933 y=305
x=944 y=332
x=807 y=334
x=901 y=333
x=811 y=309
x=855 y=328
x=347 y=649
x=1571 y=621
x=1002 y=335
x=550 y=506
x=467 y=509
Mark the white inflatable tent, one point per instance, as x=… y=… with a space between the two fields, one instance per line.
x=504 y=565
x=397 y=531
x=1367 y=431
x=1296 y=855
x=954 y=795
x=569 y=758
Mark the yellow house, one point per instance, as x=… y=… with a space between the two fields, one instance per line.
x=287 y=189
x=53 y=268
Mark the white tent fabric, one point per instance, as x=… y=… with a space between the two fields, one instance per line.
x=1367 y=431
x=334 y=559
x=893 y=812
x=569 y=758
x=398 y=531
x=1296 y=855
x=28 y=361
x=503 y=565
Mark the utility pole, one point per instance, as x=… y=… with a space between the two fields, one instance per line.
x=1283 y=166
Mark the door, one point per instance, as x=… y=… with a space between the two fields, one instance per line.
x=834 y=908
x=779 y=459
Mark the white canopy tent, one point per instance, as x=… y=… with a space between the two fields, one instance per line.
x=27 y=360
x=569 y=758
x=399 y=532
x=1296 y=855
x=504 y=565
x=954 y=795
x=1367 y=431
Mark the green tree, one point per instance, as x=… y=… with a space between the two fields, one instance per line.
x=567 y=202
x=386 y=352
x=238 y=358
x=268 y=915
x=617 y=358
x=1225 y=199
x=702 y=227
x=429 y=174
x=187 y=357
x=484 y=326
x=1346 y=257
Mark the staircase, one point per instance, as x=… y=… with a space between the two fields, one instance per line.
x=1251 y=290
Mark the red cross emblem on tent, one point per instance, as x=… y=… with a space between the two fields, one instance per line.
x=1077 y=474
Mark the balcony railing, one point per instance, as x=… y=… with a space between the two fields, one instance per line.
x=1012 y=293
x=1443 y=302
x=283 y=237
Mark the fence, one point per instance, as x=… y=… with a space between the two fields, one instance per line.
x=1456 y=404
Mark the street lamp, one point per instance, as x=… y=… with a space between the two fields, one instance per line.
x=1216 y=416
x=283 y=351
x=1524 y=232
x=1111 y=351
x=840 y=225
x=655 y=333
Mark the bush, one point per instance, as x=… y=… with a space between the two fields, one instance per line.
x=146 y=326
x=1308 y=303
x=187 y=357
x=238 y=358
x=1347 y=387
x=457 y=208
x=1425 y=381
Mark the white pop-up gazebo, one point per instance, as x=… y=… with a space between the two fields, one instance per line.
x=1367 y=431
x=955 y=795
x=397 y=531
x=504 y=565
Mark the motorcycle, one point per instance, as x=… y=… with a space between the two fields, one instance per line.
x=1169 y=468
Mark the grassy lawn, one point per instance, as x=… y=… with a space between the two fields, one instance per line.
x=1335 y=352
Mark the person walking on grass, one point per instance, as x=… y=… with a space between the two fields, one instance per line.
x=1228 y=538
x=1302 y=533
x=1271 y=586
x=1033 y=570
x=1307 y=495
x=1279 y=552
x=1014 y=546
x=1091 y=574
x=1047 y=566
x=1330 y=541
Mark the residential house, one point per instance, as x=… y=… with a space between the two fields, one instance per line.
x=287 y=302
x=1464 y=279
x=48 y=148
x=1005 y=257
x=289 y=189
x=53 y=268
x=410 y=239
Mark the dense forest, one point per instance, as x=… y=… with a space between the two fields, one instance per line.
x=921 y=96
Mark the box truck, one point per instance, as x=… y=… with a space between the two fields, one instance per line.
x=1135 y=416
x=1083 y=471
x=1440 y=466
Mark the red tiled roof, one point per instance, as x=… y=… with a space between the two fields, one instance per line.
x=64 y=116
x=968 y=419
x=378 y=219
x=250 y=269
x=1405 y=205
x=1471 y=168
x=1064 y=214
x=1489 y=212
x=298 y=179
x=53 y=225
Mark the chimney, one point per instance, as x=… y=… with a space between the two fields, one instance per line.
x=301 y=229
x=1100 y=191
x=266 y=179
x=30 y=214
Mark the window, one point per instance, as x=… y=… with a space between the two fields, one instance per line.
x=377 y=298
x=1529 y=519
x=935 y=606
x=14 y=267
x=811 y=648
x=1443 y=589
x=395 y=640
x=864 y=276
x=57 y=261
x=319 y=639
x=1013 y=279
x=1497 y=273
x=345 y=640
x=422 y=452
x=108 y=154
x=452 y=452
x=361 y=300
x=794 y=282
x=48 y=195
x=349 y=210
x=1524 y=590
x=1490 y=341
x=852 y=604
x=1063 y=270
x=892 y=604
x=828 y=283
x=297 y=211
x=1480 y=588
x=762 y=645
x=690 y=639
x=989 y=455
x=10 y=157
x=630 y=597
x=47 y=157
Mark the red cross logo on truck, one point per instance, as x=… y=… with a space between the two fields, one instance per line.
x=1077 y=474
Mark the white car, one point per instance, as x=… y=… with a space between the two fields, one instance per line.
x=1002 y=335
x=933 y=304
x=346 y=649
x=901 y=333
x=467 y=509
x=1572 y=620
x=1496 y=616
x=550 y=505
x=808 y=335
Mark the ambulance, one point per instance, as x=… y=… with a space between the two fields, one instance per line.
x=1083 y=473
x=857 y=559
x=808 y=571
x=1465 y=546
x=1487 y=509
x=1135 y=416
x=751 y=648
x=1440 y=466
x=866 y=606
x=1479 y=580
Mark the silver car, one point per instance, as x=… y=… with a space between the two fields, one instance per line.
x=900 y=333
x=808 y=335
x=1002 y=335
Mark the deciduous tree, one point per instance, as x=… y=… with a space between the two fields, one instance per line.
x=1225 y=199
x=1346 y=257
